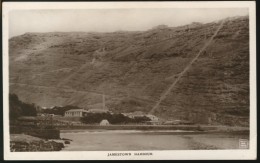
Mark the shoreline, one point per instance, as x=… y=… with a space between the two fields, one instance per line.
x=154 y=132
x=181 y=128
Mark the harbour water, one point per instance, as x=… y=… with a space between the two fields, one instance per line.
x=117 y=140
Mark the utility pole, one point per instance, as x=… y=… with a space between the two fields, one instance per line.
x=104 y=105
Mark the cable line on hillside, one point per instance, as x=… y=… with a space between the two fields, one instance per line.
x=163 y=96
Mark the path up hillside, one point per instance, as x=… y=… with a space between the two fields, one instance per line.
x=134 y=69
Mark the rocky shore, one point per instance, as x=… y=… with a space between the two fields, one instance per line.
x=22 y=143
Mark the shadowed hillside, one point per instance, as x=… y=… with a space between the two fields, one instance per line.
x=134 y=69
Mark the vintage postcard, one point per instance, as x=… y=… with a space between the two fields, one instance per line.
x=129 y=80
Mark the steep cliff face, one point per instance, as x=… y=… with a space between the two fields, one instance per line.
x=134 y=69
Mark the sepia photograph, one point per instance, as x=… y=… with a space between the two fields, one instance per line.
x=129 y=80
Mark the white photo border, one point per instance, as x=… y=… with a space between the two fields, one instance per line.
x=240 y=154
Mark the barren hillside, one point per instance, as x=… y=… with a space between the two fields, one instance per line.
x=134 y=70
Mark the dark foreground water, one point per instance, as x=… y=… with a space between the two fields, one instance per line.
x=113 y=140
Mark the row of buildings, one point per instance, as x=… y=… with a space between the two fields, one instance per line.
x=136 y=114
x=83 y=112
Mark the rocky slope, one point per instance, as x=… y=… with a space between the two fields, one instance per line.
x=27 y=143
x=133 y=70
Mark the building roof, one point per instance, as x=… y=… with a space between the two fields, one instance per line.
x=150 y=115
x=135 y=114
x=104 y=121
x=74 y=110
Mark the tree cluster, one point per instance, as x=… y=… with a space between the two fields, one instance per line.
x=93 y=118
x=18 y=108
x=59 y=110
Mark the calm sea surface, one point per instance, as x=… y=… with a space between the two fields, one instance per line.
x=112 y=140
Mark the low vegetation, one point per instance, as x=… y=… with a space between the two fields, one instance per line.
x=94 y=118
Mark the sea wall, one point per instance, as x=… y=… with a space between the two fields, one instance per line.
x=41 y=133
x=156 y=127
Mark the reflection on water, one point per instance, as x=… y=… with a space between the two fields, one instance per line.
x=112 y=140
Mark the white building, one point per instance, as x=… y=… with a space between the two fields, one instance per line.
x=75 y=113
x=152 y=117
x=134 y=114
x=104 y=122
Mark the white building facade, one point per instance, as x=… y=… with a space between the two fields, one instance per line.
x=75 y=113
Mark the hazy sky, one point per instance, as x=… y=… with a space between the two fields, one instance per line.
x=109 y=20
